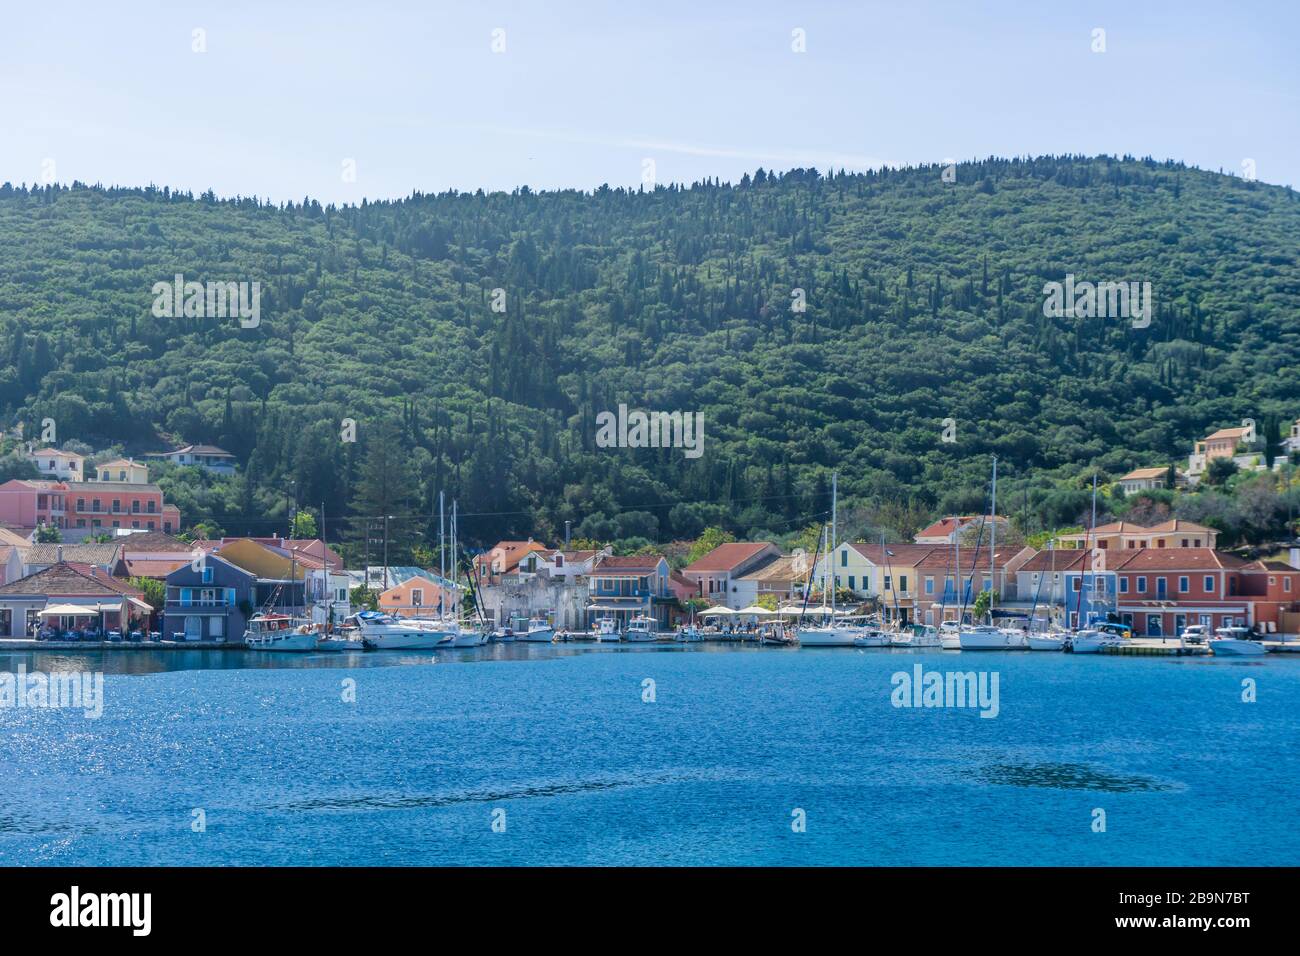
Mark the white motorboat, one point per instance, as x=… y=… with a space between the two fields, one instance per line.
x=1093 y=641
x=985 y=637
x=1235 y=642
x=902 y=638
x=950 y=636
x=388 y=632
x=503 y=635
x=690 y=634
x=827 y=635
x=640 y=630
x=871 y=637
x=538 y=632
x=775 y=633
x=925 y=635
x=345 y=641
x=279 y=632
x=607 y=631
x=1196 y=634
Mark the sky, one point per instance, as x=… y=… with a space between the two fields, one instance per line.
x=345 y=101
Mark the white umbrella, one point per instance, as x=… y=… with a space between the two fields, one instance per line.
x=70 y=610
x=757 y=611
x=711 y=612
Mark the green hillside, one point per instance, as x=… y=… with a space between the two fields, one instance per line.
x=924 y=302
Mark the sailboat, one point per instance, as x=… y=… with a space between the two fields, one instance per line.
x=829 y=633
x=269 y=631
x=988 y=637
x=1045 y=640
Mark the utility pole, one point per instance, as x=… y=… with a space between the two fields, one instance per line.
x=566 y=533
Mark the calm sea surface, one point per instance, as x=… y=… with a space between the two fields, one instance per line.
x=559 y=748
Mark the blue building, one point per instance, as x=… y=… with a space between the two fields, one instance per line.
x=209 y=603
x=623 y=587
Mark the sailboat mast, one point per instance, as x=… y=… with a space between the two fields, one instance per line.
x=993 y=539
x=834 y=528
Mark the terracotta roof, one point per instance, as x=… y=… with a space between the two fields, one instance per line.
x=1177 y=559
x=152 y=567
x=727 y=557
x=1172 y=526
x=1269 y=564
x=147 y=486
x=1139 y=473
x=941 y=558
x=1055 y=560
x=66 y=580
x=200 y=450
x=55 y=452
x=905 y=554
x=510 y=553
x=1227 y=433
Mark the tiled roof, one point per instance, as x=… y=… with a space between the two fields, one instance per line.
x=140 y=486
x=1178 y=559
x=153 y=567
x=726 y=557
x=906 y=554
x=99 y=554
x=1138 y=474
x=153 y=541
x=778 y=570
x=54 y=452
x=1052 y=560
x=65 y=580
x=1227 y=433
x=628 y=564
x=978 y=559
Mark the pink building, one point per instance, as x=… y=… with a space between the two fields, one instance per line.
x=31 y=502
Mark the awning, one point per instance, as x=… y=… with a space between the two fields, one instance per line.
x=142 y=605
x=718 y=612
x=614 y=607
x=756 y=610
x=71 y=610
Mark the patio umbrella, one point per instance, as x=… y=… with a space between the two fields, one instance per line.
x=716 y=611
x=757 y=611
x=70 y=610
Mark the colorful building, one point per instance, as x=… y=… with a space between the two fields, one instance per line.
x=624 y=587
x=716 y=575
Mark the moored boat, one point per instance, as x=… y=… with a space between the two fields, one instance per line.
x=1092 y=641
x=389 y=632
x=607 y=631
x=640 y=630
x=279 y=632
x=1047 y=641
x=950 y=636
x=688 y=634
x=1235 y=642
x=538 y=632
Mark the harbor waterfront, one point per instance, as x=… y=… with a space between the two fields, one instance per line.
x=655 y=754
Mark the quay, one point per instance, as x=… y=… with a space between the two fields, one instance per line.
x=24 y=644
x=1154 y=647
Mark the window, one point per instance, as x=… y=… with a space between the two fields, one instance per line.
x=1183 y=584
x=844 y=558
x=929 y=585
x=1209 y=584
x=1286 y=583
x=559 y=560
x=1184 y=542
x=888 y=584
x=135 y=506
x=417 y=597
x=81 y=504
x=207 y=575
x=1074 y=584
x=1142 y=584
x=852 y=585
x=117 y=506
x=1123 y=585
x=902 y=583
x=1160 y=543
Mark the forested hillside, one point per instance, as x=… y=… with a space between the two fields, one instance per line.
x=924 y=302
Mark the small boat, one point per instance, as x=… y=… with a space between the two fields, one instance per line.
x=463 y=636
x=950 y=636
x=871 y=637
x=1092 y=641
x=1235 y=642
x=279 y=632
x=538 y=632
x=924 y=635
x=607 y=631
x=640 y=630
x=347 y=640
x=1196 y=634
x=503 y=635
x=775 y=634
x=690 y=634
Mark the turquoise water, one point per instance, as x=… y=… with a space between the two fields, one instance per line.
x=558 y=744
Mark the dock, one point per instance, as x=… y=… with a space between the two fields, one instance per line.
x=1154 y=647
x=86 y=647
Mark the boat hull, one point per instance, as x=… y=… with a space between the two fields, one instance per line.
x=826 y=637
x=1236 y=648
x=289 y=643
x=413 y=640
x=537 y=637
x=1041 y=643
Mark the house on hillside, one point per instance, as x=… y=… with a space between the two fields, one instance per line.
x=1126 y=536
x=58 y=465
x=126 y=470
x=948 y=530
x=1143 y=479
x=210 y=458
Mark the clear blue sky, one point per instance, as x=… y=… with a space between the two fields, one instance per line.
x=584 y=92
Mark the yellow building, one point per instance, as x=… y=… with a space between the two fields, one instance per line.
x=123 y=469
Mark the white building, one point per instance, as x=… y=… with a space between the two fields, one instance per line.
x=63 y=465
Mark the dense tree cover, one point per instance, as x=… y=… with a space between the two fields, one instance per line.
x=924 y=303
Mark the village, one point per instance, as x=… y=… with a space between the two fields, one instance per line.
x=119 y=571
